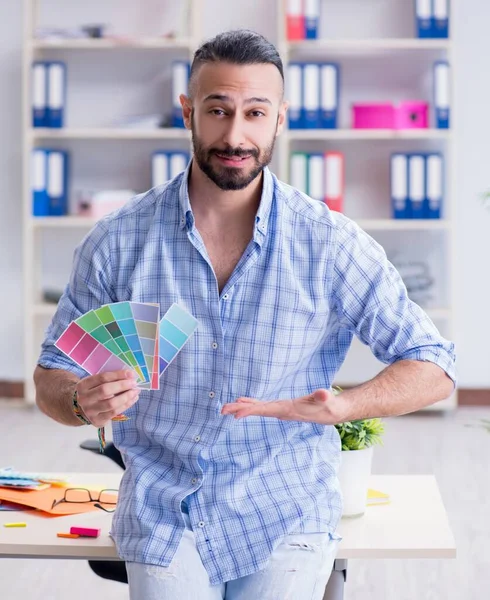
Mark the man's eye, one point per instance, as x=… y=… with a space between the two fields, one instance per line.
x=257 y=113
x=218 y=112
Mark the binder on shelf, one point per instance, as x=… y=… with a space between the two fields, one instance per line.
x=329 y=96
x=312 y=19
x=440 y=19
x=57 y=180
x=159 y=168
x=295 y=20
x=316 y=188
x=311 y=96
x=40 y=201
x=423 y=18
x=178 y=163
x=298 y=167
x=399 y=186
x=180 y=84
x=435 y=185
x=334 y=181
x=166 y=165
x=442 y=103
x=39 y=94
x=295 y=94
x=56 y=94
x=416 y=185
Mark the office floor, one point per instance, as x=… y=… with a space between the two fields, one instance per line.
x=425 y=443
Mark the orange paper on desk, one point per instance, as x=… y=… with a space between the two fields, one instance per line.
x=43 y=500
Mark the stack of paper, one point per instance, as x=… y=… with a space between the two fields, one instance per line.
x=9 y=478
x=128 y=334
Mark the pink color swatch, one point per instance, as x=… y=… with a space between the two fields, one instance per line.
x=87 y=352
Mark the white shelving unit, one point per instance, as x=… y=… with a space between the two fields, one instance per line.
x=36 y=311
x=369 y=50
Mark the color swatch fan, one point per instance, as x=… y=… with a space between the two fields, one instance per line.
x=128 y=334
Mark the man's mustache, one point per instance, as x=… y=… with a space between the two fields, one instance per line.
x=230 y=152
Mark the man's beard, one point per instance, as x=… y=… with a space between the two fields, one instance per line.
x=230 y=178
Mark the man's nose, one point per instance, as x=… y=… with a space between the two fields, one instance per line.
x=233 y=135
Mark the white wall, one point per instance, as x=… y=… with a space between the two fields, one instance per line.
x=110 y=164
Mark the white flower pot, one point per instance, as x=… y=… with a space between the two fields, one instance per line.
x=354 y=473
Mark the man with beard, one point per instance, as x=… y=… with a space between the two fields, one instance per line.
x=212 y=506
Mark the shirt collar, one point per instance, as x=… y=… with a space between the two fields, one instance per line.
x=261 y=217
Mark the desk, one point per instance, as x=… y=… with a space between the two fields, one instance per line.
x=413 y=525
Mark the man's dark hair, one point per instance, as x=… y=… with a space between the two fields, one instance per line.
x=238 y=47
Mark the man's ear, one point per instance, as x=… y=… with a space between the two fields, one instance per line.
x=186 y=104
x=281 y=119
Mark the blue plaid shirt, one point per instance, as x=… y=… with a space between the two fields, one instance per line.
x=308 y=281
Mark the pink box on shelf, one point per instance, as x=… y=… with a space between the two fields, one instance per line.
x=408 y=115
x=412 y=115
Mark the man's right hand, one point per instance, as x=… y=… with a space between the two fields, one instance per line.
x=106 y=395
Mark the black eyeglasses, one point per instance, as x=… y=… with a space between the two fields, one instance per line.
x=84 y=495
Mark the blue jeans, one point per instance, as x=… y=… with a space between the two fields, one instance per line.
x=299 y=568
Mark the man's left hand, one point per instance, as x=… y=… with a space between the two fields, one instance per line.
x=322 y=406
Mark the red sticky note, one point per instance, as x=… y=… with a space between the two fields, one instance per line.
x=85 y=531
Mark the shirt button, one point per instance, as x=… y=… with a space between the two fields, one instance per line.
x=214 y=345
x=194 y=481
x=212 y=394
x=182 y=221
x=225 y=297
x=197 y=438
x=201 y=523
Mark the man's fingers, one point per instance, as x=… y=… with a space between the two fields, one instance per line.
x=114 y=407
x=242 y=408
x=93 y=381
x=113 y=388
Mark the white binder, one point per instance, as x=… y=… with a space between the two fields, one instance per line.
x=299 y=171
x=316 y=169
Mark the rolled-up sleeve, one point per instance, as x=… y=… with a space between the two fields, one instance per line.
x=371 y=301
x=89 y=287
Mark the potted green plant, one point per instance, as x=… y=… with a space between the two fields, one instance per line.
x=357 y=440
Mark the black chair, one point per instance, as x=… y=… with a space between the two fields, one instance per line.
x=114 y=570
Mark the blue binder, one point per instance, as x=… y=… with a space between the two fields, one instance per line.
x=57 y=182
x=56 y=94
x=180 y=85
x=440 y=19
x=312 y=18
x=417 y=185
x=39 y=83
x=423 y=18
x=435 y=185
x=177 y=163
x=399 y=186
x=298 y=171
x=316 y=176
x=442 y=93
x=329 y=95
x=295 y=95
x=39 y=172
x=159 y=168
x=311 y=96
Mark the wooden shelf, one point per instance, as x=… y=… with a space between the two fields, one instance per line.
x=62 y=222
x=108 y=133
x=44 y=309
x=403 y=224
x=368 y=134
x=374 y=44
x=143 y=43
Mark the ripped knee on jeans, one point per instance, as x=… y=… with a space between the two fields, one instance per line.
x=161 y=572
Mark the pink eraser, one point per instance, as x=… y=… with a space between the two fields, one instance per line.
x=85 y=531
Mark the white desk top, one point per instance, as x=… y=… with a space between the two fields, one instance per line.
x=413 y=525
